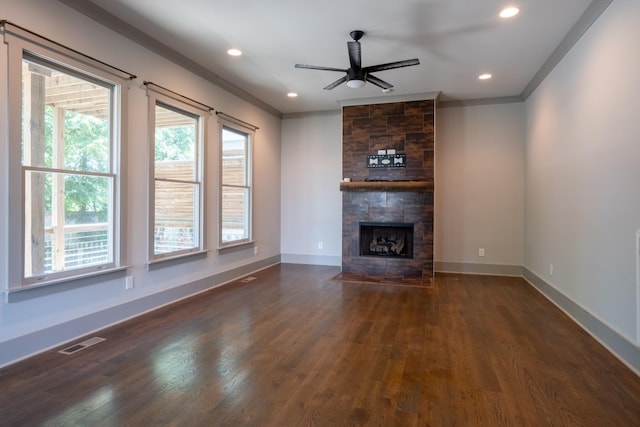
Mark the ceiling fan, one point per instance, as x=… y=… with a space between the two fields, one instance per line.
x=356 y=75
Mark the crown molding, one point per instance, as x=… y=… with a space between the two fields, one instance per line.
x=116 y=24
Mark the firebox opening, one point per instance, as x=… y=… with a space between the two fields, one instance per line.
x=386 y=239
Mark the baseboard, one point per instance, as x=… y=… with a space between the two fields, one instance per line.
x=485 y=269
x=617 y=344
x=25 y=346
x=334 y=261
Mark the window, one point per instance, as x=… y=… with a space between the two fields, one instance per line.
x=176 y=191
x=64 y=148
x=68 y=169
x=235 y=188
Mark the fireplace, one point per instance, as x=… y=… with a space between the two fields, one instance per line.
x=387 y=212
x=393 y=240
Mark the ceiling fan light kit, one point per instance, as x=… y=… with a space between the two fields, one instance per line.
x=356 y=75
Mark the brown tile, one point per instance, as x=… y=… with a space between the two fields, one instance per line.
x=429 y=122
x=355 y=143
x=387 y=173
x=426 y=106
x=405 y=124
x=384 y=142
x=386 y=214
x=355 y=111
x=417 y=142
x=347 y=127
x=369 y=126
x=390 y=109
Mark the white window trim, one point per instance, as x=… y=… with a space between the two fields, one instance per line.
x=165 y=98
x=19 y=42
x=238 y=126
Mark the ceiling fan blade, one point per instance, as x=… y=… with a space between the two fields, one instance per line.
x=336 y=83
x=319 y=67
x=378 y=82
x=355 y=55
x=391 y=65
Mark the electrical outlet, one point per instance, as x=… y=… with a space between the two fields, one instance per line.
x=128 y=284
x=320 y=245
x=255 y=250
x=550 y=269
x=481 y=252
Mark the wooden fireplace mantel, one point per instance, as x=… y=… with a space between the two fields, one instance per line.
x=414 y=186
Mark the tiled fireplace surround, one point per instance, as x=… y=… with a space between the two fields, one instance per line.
x=403 y=195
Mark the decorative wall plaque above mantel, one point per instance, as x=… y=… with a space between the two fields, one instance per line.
x=386 y=160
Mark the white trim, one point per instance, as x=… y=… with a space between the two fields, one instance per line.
x=172 y=259
x=617 y=344
x=182 y=99
x=330 y=260
x=24 y=346
x=62 y=54
x=237 y=122
x=9 y=294
x=249 y=134
x=236 y=246
x=163 y=98
x=477 y=268
x=390 y=99
x=22 y=45
x=638 y=288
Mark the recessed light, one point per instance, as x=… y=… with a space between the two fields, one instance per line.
x=485 y=76
x=292 y=95
x=509 y=12
x=234 y=52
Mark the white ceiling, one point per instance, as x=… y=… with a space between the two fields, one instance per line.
x=455 y=40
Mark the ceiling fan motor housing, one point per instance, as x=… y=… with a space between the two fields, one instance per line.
x=356 y=34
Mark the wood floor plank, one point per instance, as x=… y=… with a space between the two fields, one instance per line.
x=295 y=348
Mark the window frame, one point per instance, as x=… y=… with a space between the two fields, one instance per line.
x=158 y=96
x=24 y=45
x=249 y=134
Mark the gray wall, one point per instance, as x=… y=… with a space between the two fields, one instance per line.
x=60 y=313
x=480 y=188
x=549 y=181
x=311 y=197
x=582 y=200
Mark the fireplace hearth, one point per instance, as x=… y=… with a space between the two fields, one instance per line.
x=386 y=239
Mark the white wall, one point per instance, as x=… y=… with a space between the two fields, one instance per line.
x=311 y=197
x=583 y=147
x=25 y=322
x=479 y=186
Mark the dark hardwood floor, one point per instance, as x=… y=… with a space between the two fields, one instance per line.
x=295 y=348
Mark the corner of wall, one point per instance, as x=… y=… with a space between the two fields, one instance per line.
x=619 y=346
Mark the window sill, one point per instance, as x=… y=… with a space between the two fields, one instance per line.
x=173 y=260
x=62 y=284
x=234 y=247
